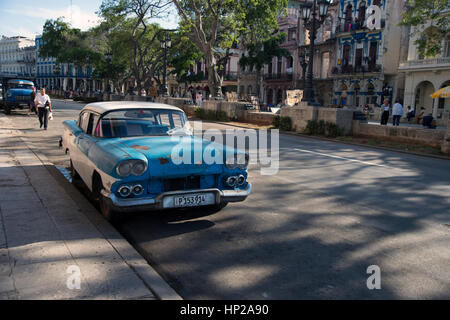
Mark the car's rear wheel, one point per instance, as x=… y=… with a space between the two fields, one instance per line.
x=73 y=173
x=7 y=109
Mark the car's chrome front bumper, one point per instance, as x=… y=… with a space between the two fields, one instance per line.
x=144 y=204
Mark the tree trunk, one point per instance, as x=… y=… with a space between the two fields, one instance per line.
x=214 y=80
x=258 y=89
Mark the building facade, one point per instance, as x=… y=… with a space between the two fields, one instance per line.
x=426 y=75
x=367 y=58
x=63 y=76
x=17 y=57
x=282 y=73
x=324 y=56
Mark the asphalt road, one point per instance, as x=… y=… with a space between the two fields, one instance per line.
x=308 y=232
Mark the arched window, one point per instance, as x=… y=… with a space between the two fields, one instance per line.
x=362 y=13
x=290 y=62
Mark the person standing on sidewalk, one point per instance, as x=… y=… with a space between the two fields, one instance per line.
x=44 y=106
x=397 y=113
x=32 y=104
x=385 y=114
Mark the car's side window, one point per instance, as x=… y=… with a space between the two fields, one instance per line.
x=91 y=123
x=84 y=121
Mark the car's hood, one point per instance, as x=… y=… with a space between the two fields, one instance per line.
x=160 y=151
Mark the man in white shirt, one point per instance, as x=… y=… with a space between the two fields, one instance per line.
x=397 y=113
x=44 y=106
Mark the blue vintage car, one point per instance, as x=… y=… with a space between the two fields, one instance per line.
x=18 y=94
x=124 y=153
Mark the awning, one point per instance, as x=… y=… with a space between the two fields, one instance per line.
x=442 y=93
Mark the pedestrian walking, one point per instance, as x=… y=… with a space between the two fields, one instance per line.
x=198 y=99
x=32 y=104
x=397 y=113
x=385 y=115
x=44 y=106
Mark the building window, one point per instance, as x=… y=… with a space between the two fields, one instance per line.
x=292 y=34
x=447 y=47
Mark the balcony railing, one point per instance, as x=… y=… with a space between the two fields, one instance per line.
x=346 y=26
x=279 y=76
x=426 y=63
x=350 y=69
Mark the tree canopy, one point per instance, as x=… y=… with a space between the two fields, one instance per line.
x=431 y=21
x=221 y=24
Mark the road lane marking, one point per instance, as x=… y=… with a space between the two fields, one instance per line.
x=343 y=158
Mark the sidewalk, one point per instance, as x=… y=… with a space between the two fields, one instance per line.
x=47 y=231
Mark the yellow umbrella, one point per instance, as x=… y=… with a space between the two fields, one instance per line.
x=442 y=93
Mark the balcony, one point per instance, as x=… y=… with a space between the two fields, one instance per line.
x=436 y=63
x=230 y=76
x=279 y=76
x=350 y=69
x=349 y=26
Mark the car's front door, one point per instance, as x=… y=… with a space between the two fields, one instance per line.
x=84 y=142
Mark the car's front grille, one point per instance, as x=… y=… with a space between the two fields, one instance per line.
x=187 y=183
x=22 y=98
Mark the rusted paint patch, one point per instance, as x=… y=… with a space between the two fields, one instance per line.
x=136 y=147
x=163 y=160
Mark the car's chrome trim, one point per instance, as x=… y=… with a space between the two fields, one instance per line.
x=156 y=203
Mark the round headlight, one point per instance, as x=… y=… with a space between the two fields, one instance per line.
x=240 y=180
x=138 y=190
x=124 y=191
x=138 y=168
x=231 y=181
x=124 y=169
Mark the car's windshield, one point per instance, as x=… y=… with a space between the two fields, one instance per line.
x=20 y=86
x=143 y=122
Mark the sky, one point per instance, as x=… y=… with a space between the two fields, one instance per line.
x=27 y=17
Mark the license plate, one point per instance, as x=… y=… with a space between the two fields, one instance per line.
x=189 y=200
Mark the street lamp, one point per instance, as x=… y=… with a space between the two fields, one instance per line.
x=165 y=45
x=304 y=63
x=108 y=57
x=57 y=71
x=309 y=11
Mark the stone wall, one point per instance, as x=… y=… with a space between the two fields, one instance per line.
x=303 y=113
x=259 y=118
x=430 y=137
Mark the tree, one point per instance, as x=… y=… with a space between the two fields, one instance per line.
x=129 y=20
x=216 y=26
x=67 y=45
x=182 y=57
x=430 y=19
x=260 y=53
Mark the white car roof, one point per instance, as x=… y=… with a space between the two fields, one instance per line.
x=102 y=107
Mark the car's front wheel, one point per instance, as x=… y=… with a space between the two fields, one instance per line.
x=105 y=208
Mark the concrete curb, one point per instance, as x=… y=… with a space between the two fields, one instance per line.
x=151 y=279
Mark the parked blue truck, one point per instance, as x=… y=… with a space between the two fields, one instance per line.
x=17 y=94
